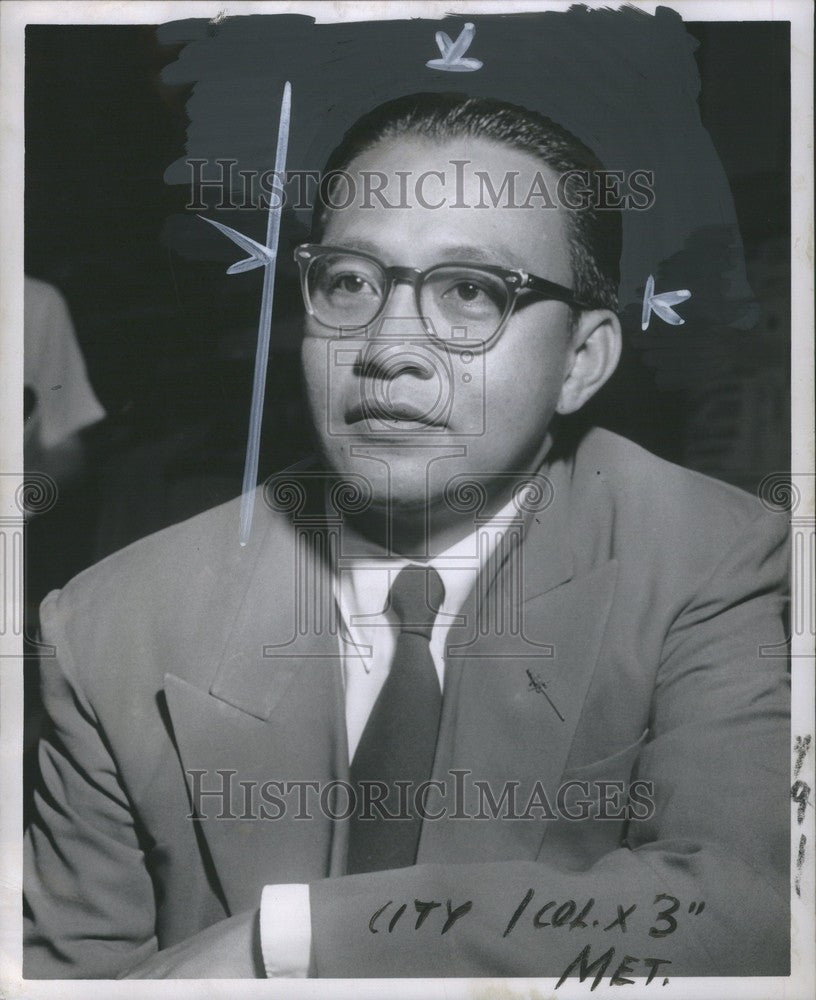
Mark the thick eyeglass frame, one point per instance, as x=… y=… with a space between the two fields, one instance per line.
x=516 y=281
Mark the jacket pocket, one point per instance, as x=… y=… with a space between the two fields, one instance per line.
x=618 y=766
x=593 y=810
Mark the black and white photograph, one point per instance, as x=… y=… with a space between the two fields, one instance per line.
x=407 y=499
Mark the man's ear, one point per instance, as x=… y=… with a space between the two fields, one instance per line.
x=594 y=354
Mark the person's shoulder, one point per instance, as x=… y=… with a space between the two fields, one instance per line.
x=40 y=290
x=659 y=503
x=646 y=480
x=41 y=300
x=178 y=569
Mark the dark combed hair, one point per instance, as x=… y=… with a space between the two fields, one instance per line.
x=594 y=234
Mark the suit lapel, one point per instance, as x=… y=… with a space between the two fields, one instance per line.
x=516 y=681
x=273 y=713
x=517 y=673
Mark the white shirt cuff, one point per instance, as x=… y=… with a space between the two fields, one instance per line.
x=286 y=930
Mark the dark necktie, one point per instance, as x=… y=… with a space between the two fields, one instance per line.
x=399 y=740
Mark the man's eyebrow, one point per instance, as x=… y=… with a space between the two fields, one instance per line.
x=499 y=254
x=366 y=246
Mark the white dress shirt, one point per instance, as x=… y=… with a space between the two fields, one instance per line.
x=54 y=368
x=367 y=641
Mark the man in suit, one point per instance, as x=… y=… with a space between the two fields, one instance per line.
x=546 y=638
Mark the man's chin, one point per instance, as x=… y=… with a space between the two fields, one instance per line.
x=400 y=502
x=401 y=494
x=394 y=470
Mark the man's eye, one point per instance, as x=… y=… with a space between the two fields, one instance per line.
x=350 y=284
x=469 y=293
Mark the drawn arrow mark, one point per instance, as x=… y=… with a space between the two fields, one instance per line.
x=453 y=60
x=661 y=305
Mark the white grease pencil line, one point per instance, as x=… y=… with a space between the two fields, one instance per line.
x=264 y=330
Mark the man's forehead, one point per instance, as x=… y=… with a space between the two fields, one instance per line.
x=457 y=199
x=454 y=250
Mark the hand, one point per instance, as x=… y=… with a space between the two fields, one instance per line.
x=229 y=949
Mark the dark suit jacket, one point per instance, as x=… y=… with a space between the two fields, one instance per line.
x=645 y=594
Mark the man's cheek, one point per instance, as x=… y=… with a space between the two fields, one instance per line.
x=313 y=360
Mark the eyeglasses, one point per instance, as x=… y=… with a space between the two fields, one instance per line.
x=464 y=305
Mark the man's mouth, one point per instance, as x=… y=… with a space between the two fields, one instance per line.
x=396 y=414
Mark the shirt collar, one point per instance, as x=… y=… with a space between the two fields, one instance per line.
x=361 y=583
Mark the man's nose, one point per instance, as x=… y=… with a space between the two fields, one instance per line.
x=398 y=342
x=400 y=316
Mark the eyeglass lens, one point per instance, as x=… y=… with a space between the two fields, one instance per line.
x=461 y=302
